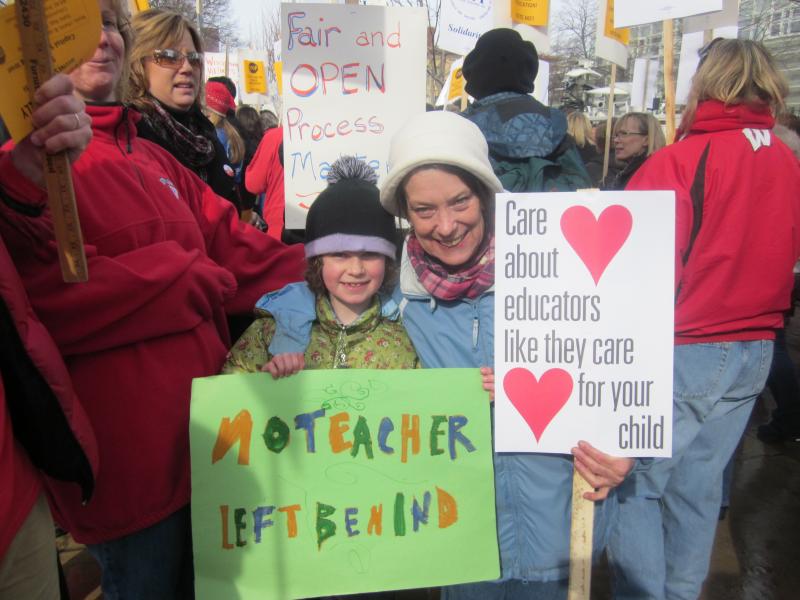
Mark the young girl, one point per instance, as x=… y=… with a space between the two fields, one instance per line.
x=350 y=248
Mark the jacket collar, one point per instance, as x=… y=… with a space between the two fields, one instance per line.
x=111 y=119
x=713 y=115
x=366 y=322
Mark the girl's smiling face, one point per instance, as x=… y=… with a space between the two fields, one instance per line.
x=352 y=280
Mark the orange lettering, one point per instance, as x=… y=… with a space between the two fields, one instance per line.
x=375 y=525
x=336 y=433
x=448 y=511
x=409 y=433
x=229 y=433
x=291 y=518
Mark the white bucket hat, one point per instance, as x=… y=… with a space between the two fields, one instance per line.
x=436 y=137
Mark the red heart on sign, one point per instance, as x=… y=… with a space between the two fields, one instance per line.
x=596 y=241
x=538 y=401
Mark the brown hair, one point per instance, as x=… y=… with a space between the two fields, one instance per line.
x=235 y=142
x=156 y=29
x=313 y=275
x=736 y=72
x=646 y=123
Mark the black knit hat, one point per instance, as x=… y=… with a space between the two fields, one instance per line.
x=347 y=216
x=500 y=62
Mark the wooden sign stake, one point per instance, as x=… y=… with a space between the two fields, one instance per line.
x=610 y=111
x=580 y=540
x=58 y=176
x=669 y=80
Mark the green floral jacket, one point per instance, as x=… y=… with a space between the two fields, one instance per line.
x=371 y=342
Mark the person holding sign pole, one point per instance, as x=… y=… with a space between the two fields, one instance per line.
x=441 y=180
x=737 y=225
x=168 y=259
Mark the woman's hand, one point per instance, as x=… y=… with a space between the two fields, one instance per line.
x=487 y=375
x=602 y=471
x=60 y=123
x=283 y=365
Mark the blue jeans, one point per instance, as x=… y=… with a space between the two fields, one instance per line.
x=510 y=589
x=154 y=563
x=661 y=544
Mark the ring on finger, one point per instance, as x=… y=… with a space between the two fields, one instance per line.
x=77 y=121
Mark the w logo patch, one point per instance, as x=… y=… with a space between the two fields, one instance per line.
x=171 y=186
x=758 y=137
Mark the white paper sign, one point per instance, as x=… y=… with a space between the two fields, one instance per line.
x=644 y=84
x=462 y=22
x=607 y=47
x=690 y=44
x=352 y=75
x=215 y=65
x=639 y=12
x=584 y=295
x=728 y=16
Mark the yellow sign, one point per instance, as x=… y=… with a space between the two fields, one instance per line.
x=530 y=12
x=255 y=79
x=278 y=66
x=623 y=34
x=74 y=31
x=456 y=84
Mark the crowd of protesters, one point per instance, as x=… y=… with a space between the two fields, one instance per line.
x=176 y=186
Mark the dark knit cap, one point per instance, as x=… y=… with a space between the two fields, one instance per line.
x=500 y=62
x=347 y=216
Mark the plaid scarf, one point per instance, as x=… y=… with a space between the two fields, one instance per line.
x=470 y=282
x=186 y=142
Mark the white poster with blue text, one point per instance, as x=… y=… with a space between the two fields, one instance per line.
x=584 y=296
x=352 y=76
x=462 y=22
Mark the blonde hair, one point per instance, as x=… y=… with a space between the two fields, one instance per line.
x=236 y=145
x=736 y=72
x=580 y=128
x=646 y=123
x=120 y=9
x=156 y=29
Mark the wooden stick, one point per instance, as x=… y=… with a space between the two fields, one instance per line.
x=580 y=540
x=669 y=80
x=58 y=175
x=610 y=107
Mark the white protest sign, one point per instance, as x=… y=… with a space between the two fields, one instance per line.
x=611 y=43
x=462 y=22
x=215 y=65
x=644 y=84
x=352 y=75
x=541 y=84
x=728 y=16
x=637 y=12
x=690 y=44
x=584 y=294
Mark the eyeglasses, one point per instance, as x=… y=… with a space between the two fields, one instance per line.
x=172 y=59
x=622 y=133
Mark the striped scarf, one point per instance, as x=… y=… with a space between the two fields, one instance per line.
x=469 y=282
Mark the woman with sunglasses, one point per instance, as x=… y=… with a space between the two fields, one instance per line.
x=166 y=77
x=167 y=259
x=636 y=136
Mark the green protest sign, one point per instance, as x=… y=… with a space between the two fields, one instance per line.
x=341 y=481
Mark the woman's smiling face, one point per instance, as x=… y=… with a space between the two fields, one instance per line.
x=446 y=216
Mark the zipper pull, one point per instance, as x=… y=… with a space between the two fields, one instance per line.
x=475 y=332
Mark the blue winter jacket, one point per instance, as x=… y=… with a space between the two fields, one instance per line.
x=533 y=491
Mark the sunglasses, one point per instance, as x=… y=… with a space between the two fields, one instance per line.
x=172 y=59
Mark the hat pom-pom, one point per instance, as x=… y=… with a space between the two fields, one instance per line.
x=350 y=167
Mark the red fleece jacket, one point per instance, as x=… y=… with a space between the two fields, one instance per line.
x=745 y=184
x=167 y=260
